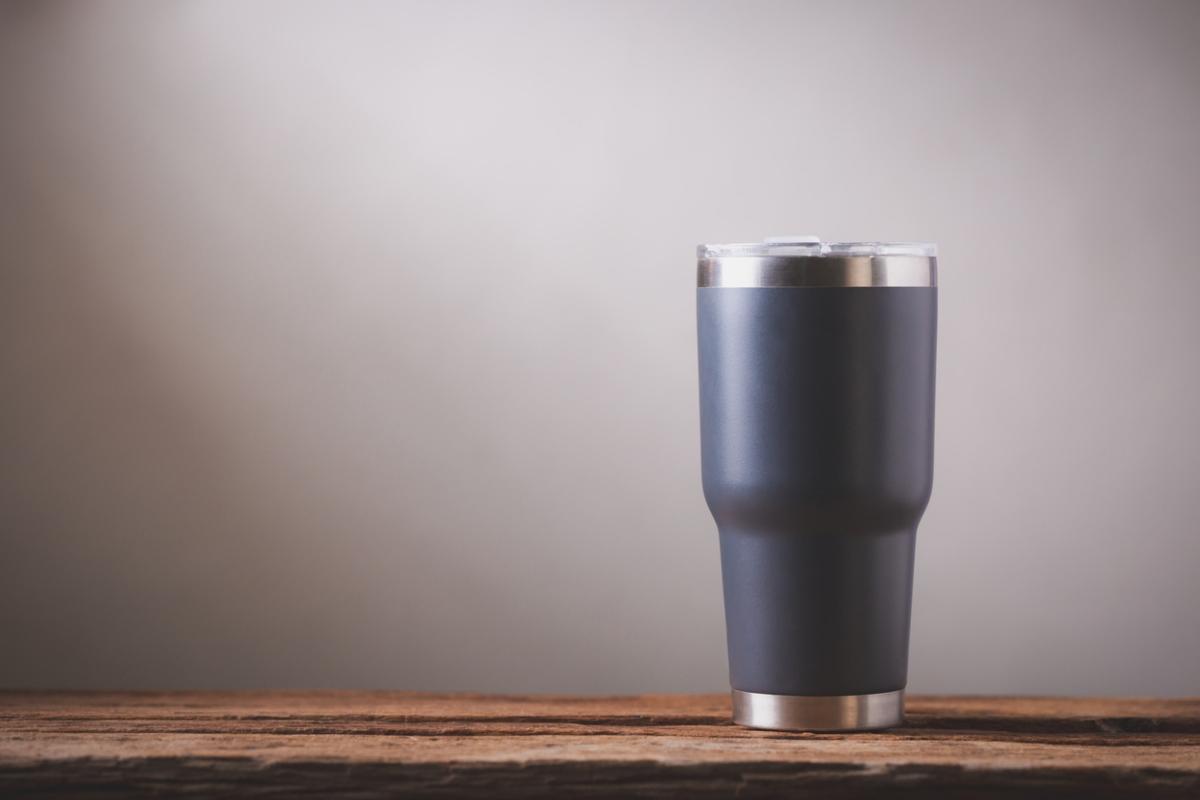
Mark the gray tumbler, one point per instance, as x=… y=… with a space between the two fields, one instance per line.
x=816 y=411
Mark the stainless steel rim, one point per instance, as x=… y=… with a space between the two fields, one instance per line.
x=769 y=272
x=845 y=712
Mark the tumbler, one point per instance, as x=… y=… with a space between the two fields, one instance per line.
x=816 y=411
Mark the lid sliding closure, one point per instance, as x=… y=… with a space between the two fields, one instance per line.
x=813 y=247
x=806 y=261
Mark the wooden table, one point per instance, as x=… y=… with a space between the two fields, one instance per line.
x=376 y=744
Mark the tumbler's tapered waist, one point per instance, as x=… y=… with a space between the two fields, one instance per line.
x=846 y=712
x=811 y=614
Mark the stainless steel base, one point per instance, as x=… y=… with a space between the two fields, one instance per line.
x=843 y=712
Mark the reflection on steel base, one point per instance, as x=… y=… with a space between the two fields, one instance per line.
x=842 y=712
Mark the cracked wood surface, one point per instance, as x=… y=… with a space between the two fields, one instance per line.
x=377 y=744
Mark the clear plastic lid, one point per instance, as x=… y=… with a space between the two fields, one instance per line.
x=813 y=247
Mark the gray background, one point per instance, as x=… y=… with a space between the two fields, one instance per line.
x=353 y=344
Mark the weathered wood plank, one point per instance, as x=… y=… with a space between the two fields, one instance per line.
x=381 y=743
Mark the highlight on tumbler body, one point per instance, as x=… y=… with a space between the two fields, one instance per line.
x=816 y=410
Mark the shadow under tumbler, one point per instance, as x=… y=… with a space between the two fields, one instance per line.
x=816 y=409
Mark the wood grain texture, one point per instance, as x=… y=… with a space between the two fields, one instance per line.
x=377 y=744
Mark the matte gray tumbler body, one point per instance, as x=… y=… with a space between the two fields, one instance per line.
x=816 y=408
